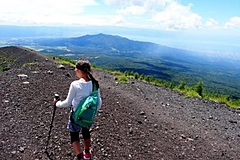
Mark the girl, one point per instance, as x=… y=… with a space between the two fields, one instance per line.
x=78 y=90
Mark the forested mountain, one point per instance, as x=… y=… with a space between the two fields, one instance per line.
x=219 y=75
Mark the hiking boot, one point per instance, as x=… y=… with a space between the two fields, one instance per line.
x=79 y=157
x=87 y=156
x=76 y=158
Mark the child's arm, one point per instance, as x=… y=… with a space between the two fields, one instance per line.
x=68 y=101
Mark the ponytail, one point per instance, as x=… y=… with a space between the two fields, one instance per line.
x=85 y=67
x=93 y=79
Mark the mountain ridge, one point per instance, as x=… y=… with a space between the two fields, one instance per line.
x=219 y=75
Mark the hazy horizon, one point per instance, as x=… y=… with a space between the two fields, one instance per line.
x=205 y=26
x=181 y=40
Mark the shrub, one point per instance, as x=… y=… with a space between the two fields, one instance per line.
x=29 y=64
x=122 y=78
x=199 y=88
x=4 y=68
x=136 y=75
x=182 y=85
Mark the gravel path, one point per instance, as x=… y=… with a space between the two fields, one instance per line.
x=137 y=120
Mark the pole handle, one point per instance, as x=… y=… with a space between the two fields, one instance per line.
x=56 y=96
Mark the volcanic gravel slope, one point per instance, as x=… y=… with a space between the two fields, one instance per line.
x=137 y=120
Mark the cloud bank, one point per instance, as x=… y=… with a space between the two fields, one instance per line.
x=157 y=14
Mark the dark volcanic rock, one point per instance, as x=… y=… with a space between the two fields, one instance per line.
x=137 y=120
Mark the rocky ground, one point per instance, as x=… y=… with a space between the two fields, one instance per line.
x=136 y=121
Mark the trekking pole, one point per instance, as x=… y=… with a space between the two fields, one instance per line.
x=56 y=96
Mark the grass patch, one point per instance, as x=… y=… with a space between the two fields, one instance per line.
x=5 y=62
x=4 y=68
x=63 y=60
x=122 y=79
x=118 y=73
x=29 y=64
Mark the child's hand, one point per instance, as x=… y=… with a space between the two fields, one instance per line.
x=56 y=98
x=54 y=102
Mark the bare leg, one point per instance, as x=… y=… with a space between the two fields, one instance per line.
x=76 y=147
x=87 y=143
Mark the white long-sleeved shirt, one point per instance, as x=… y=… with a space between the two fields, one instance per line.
x=78 y=90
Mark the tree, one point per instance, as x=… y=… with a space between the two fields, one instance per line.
x=182 y=85
x=199 y=88
x=136 y=75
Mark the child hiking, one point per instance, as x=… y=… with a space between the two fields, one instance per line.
x=79 y=89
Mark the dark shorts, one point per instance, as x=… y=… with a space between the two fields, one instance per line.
x=75 y=135
x=75 y=130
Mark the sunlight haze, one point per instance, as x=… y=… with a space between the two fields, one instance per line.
x=189 y=22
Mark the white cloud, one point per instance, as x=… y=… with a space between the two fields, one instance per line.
x=234 y=22
x=164 y=14
x=133 y=10
x=176 y=16
x=42 y=11
x=140 y=3
x=161 y=14
x=211 y=23
x=137 y=7
x=53 y=12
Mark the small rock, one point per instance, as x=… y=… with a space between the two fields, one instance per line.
x=23 y=76
x=50 y=72
x=142 y=113
x=68 y=75
x=155 y=125
x=190 y=139
x=233 y=121
x=21 y=149
x=131 y=130
x=151 y=130
x=139 y=122
x=183 y=136
x=60 y=66
x=35 y=72
x=100 y=111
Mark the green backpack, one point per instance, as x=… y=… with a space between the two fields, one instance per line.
x=86 y=110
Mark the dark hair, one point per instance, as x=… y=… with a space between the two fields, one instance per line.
x=85 y=66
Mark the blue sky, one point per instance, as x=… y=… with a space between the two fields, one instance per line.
x=191 y=24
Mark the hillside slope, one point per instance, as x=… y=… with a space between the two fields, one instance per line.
x=137 y=120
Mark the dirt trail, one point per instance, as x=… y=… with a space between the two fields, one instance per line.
x=137 y=120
